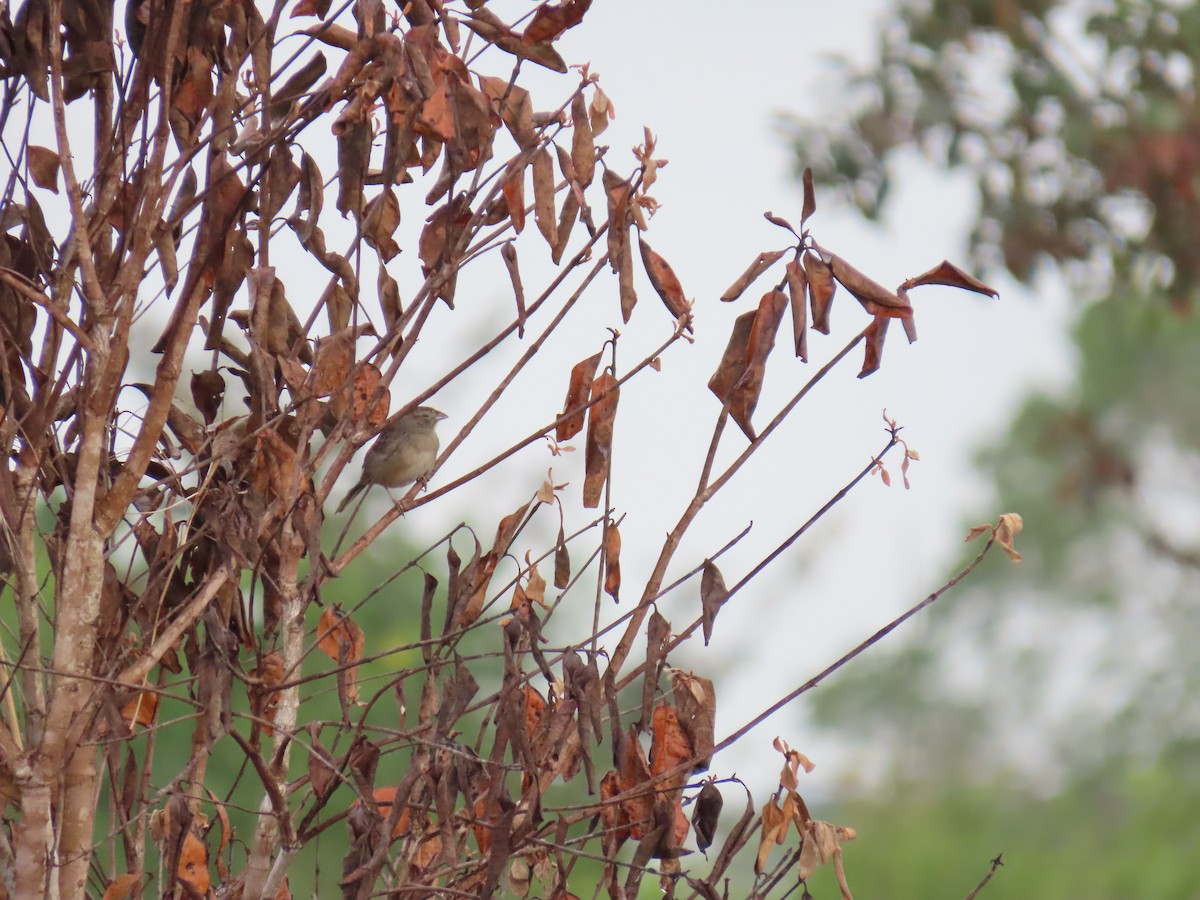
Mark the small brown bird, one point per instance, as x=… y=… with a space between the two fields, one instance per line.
x=404 y=452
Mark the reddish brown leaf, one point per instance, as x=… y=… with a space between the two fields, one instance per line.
x=634 y=772
x=578 y=392
x=797 y=282
x=876 y=332
x=696 y=705
x=821 y=289
x=612 y=815
x=583 y=146
x=342 y=640
x=193 y=864
x=666 y=283
x=384 y=798
x=43 y=167
x=366 y=384
x=712 y=594
x=335 y=359
x=810 y=197
x=122 y=887
x=516 y=110
x=508 y=252
x=874 y=297
x=562 y=561
x=706 y=814
x=763 y=262
x=208 y=388
x=612 y=563
x=669 y=745
x=949 y=274
x=617 y=190
x=141 y=709
x=733 y=362
x=514 y=196
x=549 y=22
x=762 y=340
x=543 y=196
x=320 y=772
x=605 y=394
x=380 y=221
x=566 y=222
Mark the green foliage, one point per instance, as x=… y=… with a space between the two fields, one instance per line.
x=1113 y=834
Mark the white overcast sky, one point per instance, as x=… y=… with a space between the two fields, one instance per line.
x=709 y=81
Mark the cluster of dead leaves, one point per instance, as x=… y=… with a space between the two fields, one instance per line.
x=811 y=279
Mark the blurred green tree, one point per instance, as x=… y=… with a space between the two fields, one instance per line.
x=1079 y=126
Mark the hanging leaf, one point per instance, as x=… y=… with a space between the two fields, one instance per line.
x=733 y=361
x=951 y=275
x=43 y=167
x=193 y=864
x=696 y=705
x=508 y=252
x=562 y=561
x=578 y=391
x=618 y=191
x=342 y=640
x=874 y=297
x=712 y=596
x=583 y=146
x=543 y=196
x=612 y=563
x=762 y=340
x=1010 y=526
x=549 y=22
x=761 y=263
x=821 y=288
x=122 y=887
x=706 y=814
x=876 y=333
x=810 y=197
x=797 y=282
x=141 y=709
x=666 y=283
x=605 y=394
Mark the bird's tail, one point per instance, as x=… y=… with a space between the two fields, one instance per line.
x=354 y=492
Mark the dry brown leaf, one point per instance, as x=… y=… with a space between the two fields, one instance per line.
x=543 y=196
x=583 y=147
x=797 y=282
x=875 y=336
x=635 y=772
x=600 y=111
x=562 y=561
x=578 y=391
x=696 y=705
x=342 y=640
x=774 y=830
x=366 y=385
x=43 y=167
x=141 y=709
x=712 y=596
x=193 y=864
x=514 y=196
x=874 y=297
x=951 y=275
x=334 y=360
x=549 y=22
x=666 y=283
x=810 y=197
x=1010 y=526
x=122 y=887
x=759 y=345
x=606 y=392
x=670 y=744
x=706 y=814
x=733 y=361
x=761 y=263
x=612 y=563
x=977 y=531
x=821 y=289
